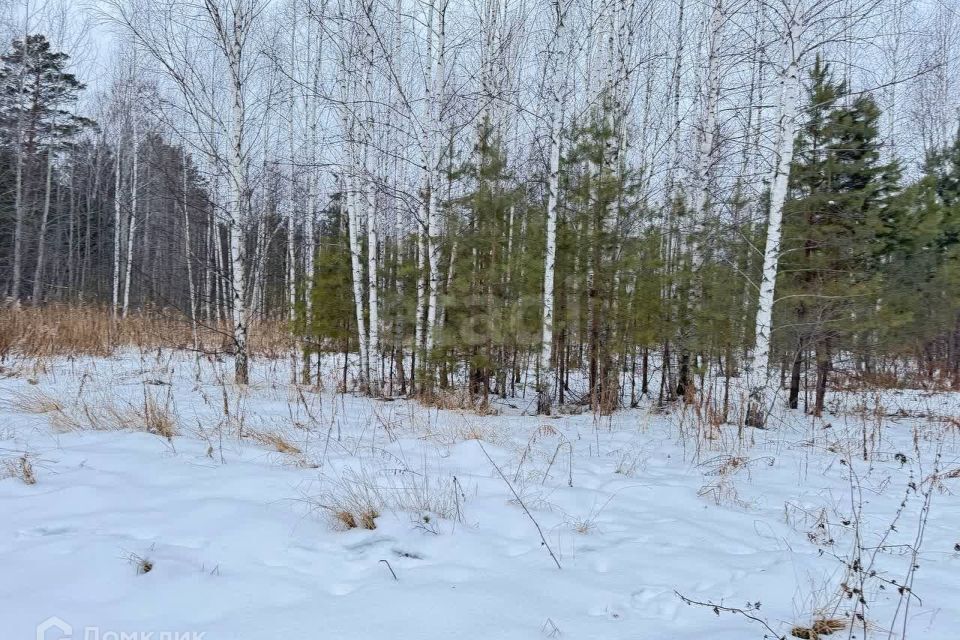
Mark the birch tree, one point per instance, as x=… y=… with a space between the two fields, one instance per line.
x=802 y=26
x=556 y=97
x=228 y=25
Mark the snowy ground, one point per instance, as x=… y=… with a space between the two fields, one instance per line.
x=236 y=514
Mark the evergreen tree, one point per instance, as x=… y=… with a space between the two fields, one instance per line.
x=919 y=258
x=36 y=92
x=484 y=319
x=839 y=186
x=333 y=325
x=600 y=193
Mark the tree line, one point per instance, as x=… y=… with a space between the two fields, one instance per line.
x=599 y=201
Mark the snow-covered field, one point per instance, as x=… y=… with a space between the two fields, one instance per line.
x=237 y=527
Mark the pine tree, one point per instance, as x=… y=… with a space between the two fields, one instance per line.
x=919 y=258
x=36 y=92
x=332 y=324
x=600 y=193
x=838 y=188
x=481 y=324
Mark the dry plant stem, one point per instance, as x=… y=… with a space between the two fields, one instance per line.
x=906 y=589
x=543 y=538
x=392 y=572
x=717 y=609
x=554 y=458
x=458 y=494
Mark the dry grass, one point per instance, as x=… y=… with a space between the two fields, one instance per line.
x=819 y=628
x=274 y=440
x=20 y=468
x=63 y=330
x=583 y=526
x=142 y=565
x=451 y=434
x=366 y=519
x=356 y=498
x=426 y=497
x=278 y=442
x=156 y=418
x=724 y=465
x=353 y=501
x=457 y=400
x=105 y=413
x=35 y=401
x=723 y=490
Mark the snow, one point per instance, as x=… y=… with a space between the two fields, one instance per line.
x=241 y=547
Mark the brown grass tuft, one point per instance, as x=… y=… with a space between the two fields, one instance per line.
x=158 y=419
x=20 y=468
x=365 y=519
x=104 y=413
x=279 y=443
x=35 y=401
x=820 y=627
x=346 y=519
x=143 y=565
x=273 y=440
x=368 y=519
x=353 y=500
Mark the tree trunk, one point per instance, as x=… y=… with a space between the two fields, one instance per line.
x=794 y=400
x=823 y=371
x=545 y=371
x=132 y=226
x=759 y=357
x=42 y=241
x=117 y=229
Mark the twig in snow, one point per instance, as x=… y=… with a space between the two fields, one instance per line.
x=550 y=629
x=543 y=539
x=391 y=570
x=718 y=608
x=569 y=462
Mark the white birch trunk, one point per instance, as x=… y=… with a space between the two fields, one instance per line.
x=18 y=225
x=220 y=275
x=42 y=241
x=419 y=346
x=117 y=225
x=292 y=295
x=758 y=362
x=291 y=213
x=132 y=226
x=707 y=149
x=346 y=81
x=356 y=269
x=310 y=230
x=372 y=298
x=188 y=255
x=208 y=294
x=433 y=145
x=553 y=195
x=238 y=194
x=433 y=279
x=373 y=314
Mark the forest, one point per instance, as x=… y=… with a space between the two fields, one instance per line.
x=468 y=196
x=494 y=319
